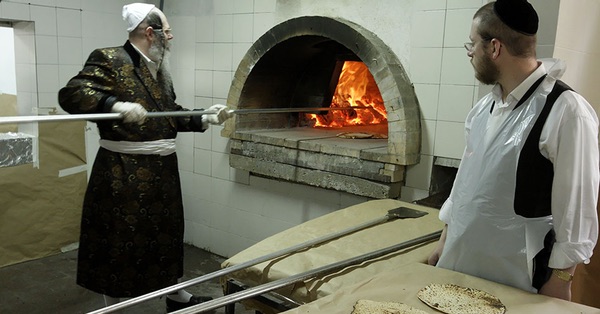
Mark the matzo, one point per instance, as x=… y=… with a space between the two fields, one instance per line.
x=361 y=135
x=454 y=299
x=375 y=307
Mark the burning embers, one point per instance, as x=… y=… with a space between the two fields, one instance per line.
x=356 y=87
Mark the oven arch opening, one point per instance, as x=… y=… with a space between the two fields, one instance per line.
x=291 y=65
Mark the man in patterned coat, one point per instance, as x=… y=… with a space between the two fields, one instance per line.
x=131 y=240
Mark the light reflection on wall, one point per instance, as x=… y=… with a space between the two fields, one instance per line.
x=18 y=84
x=8 y=82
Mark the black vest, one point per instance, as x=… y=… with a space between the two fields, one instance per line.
x=533 y=189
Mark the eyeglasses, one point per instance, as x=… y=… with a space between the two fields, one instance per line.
x=167 y=31
x=471 y=45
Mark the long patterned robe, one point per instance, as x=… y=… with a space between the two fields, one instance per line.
x=131 y=240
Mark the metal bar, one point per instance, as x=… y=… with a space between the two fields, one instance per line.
x=98 y=116
x=62 y=117
x=294 y=110
x=258 y=290
x=388 y=217
x=271 y=299
x=159 y=114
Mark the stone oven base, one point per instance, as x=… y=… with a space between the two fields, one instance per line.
x=318 y=157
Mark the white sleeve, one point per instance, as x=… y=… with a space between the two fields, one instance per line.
x=570 y=140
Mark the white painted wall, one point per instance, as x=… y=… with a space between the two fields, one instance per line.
x=228 y=210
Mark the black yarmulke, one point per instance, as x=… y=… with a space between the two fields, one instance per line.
x=518 y=15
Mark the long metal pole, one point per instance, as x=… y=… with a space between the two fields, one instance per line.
x=127 y=303
x=62 y=117
x=261 y=289
x=159 y=114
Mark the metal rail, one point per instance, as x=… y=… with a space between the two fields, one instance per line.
x=258 y=290
x=160 y=114
x=391 y=215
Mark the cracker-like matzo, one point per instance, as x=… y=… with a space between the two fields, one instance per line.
x=355 y=135
x=376 y=307
x=361 y=135
x=454 y=299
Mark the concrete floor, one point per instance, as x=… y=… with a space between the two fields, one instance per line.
x=47 y=285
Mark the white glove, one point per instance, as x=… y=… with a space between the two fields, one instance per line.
x=131 y=111
x=216 y=118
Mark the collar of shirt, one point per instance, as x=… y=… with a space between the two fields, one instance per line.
x=502 y=109
x=152 y=66
x=513 y=98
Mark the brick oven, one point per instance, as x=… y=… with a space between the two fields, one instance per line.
x=297 y=64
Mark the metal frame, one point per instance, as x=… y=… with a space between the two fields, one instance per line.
x=271 y=299
x=392 y=214
x=261 y=289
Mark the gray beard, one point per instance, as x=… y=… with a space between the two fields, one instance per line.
x=158 y=51
x=167 y=80
x=161 y=53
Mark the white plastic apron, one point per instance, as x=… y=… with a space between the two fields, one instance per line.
x=485 y=237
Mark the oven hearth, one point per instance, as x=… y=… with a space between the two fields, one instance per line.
x=296 y=64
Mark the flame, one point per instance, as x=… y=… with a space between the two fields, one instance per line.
x=356 y=88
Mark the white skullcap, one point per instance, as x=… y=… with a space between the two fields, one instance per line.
x=135 y=13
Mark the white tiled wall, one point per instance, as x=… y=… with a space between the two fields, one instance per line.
x=444 y=82
x=227 y=210
x=580 y=52
x=252 y=208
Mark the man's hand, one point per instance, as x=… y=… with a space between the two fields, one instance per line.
x=557 y=288
x=434 y=257
x=131 y=111
x=222 y=114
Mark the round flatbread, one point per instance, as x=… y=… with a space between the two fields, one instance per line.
x=355 y=135
x=454 y=299
x=360 y=135
x=376 y=307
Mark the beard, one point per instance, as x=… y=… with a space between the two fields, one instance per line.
x=486 y=71
x=160 y=52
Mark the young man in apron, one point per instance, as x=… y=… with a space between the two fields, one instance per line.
x=522 y=211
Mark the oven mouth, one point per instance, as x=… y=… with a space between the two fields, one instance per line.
x=296 y=65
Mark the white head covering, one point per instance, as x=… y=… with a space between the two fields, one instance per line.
x=135 y=13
